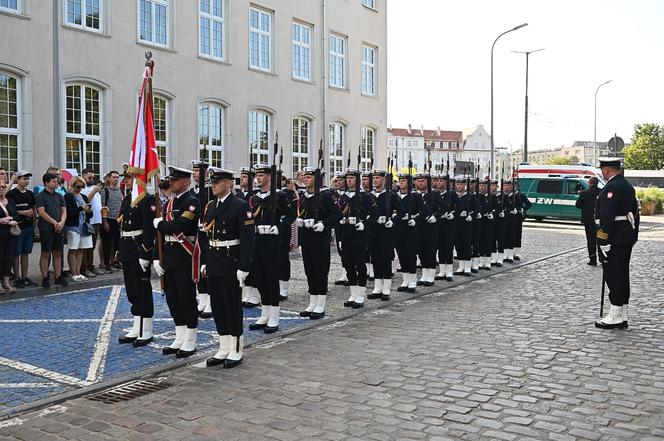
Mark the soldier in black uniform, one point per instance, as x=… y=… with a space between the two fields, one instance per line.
x=179 y=226
x=521 y=204
x=250 y=296
x=381 y=245
x=463 y=228
x=338 y=188
x=477 y=226
x=446 y=229
x=367 y=188
x=227 y=240
x=487 y=203
x=203 y=195
x=270 y=217
x=427 y=228
x=406 y=245
x=137 y=236
x=502 y=207
x=285 y=235
x=359 y=210
x=511 y=219
x=317 y=214
x=618 y=215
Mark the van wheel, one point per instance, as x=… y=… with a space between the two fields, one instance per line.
x=538 y=218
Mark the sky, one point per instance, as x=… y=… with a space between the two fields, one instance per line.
x=439 y=61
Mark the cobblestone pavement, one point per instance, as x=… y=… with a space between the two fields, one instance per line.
x=511 y=356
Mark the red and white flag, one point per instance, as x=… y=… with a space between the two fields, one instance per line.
x=144 y=160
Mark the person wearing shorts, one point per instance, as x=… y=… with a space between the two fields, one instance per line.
x=24 y=200
x=52 y=216
x=77 y=226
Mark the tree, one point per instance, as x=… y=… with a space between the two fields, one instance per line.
x=559 y=160
x=647 y=149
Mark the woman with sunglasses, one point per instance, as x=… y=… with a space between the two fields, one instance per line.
x=8 y=218
x=77 y=226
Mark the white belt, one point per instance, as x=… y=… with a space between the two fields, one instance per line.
x=131 y=233
x=620 y=218
x=224 y=243
x=175 y=239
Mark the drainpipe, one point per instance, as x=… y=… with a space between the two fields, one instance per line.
x=56 y=83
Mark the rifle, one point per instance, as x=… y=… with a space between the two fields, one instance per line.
x=447 y=183
x=250 y=174
x=317 y=183
x=370 y=175
x=347 y=167
x=273 y=182
x=502 y=188
x=388 y=188
x=429 y=174
x=203 y=196
x=410 y=173
x=358 y=187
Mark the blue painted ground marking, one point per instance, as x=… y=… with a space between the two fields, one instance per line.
x=65 y=341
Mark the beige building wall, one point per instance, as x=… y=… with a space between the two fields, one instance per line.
x=44 y=53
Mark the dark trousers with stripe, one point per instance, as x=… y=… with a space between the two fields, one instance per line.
x=500 y=233
x=139 y=289
x=382 y=251
x=427 y=244
x=476 y=237
x=181 y=296
x=265 y=270
x=487 y=239
x=316 y=258
x=591 y=240
x=406 y=248
x=616 y=274
x=284 y=257
x=354 y=256
x=464 y=231
x=445 y=241
x=226 y=300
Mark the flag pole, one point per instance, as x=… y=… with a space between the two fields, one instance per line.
x=149 y=63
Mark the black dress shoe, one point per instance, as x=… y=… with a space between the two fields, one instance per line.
x=420 y=283
x=509 y=260
x=410 y=290
x=458 y=273
x=385 y=297
x=184 y=354
x=257 y=326
x=206 y=315
x=231 y=363
x=214 y=362
x=494 y=263
x=169 y=350
x=317 y=315
x=142 y=342
x=249 y=305
x=474 y=271
x=282 y=298
x=449 y=279
x=358 y=305
x=439 y=278
x=374 y=295
x=305 y=313
x=124 y=339
x=402 y=288
x=271 y=329
x=487 y=268
x=399 y=270
x=467 y=274
x=517 y=258
x=348 y=304
x=371 y=278
x=427 y=283
x=499 y=265
x=339 y=282
x=591 y=263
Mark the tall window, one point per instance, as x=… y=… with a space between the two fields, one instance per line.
x=367 y=147
x=368 y=70
x=369 y=3
x=161 y=127
x=211 y=28
x=259 y=125
x=84 y=13
x=211 y=134
x=83 y=141
x=153 y=21
x=260 y=39
x=300 y=144
x=301 y=51
x=9 y=122
x=337 y=61
x=336 y=143
x=12 y=5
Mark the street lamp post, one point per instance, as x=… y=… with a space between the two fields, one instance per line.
x=525 y=130
x=595 y=124
x=492 y=47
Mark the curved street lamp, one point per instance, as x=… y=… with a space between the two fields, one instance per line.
x=595 y=124
x=492 y=47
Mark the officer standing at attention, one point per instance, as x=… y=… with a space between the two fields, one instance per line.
x=250 y=296
x=179 y=225
x=463 y=228
x=405 y=243
x=136 y=241
x=446 y=229
x=203 y=195
x=586 y=202
x=227 y=241
x=618 y=230
x=427 y=230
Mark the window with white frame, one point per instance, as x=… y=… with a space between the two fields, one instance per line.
x=10 y=5
x=211 y=28
x=259 y=126
x=153 y=21
x=301 y=51
x=84 y=13
x=369 y=3
x=368 y=70
x=10 y=130
x=161 y=126
x=260 y=39
x=301 y=138
x=83 y=138
x=367 y=148
x=337 y=137
x=211 y=134
x=337 y=61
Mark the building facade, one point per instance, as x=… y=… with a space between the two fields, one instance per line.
x=231 y=76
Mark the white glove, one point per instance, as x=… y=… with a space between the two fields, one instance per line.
x=274 y=230
x=469 y=218
x=241 y=275
x=431 y=219
x=203 y=270
x=405 y=218
x=157 y=268
x=156 y=221
x=359 y=226
x=318 y=227
x=340 y=246
x=489 y=216
x=388 y=224
x=513 y=211
x=144 y=264
x=464 y=213
x=450 y=216
x=411 y=223
x=521 y=210
x=501 y=214
x=381 y=219
x=603 y=253
x=299 y=222
x=479 y=216
x=342 y=221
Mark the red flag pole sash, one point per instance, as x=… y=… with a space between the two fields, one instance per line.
x=193 y=249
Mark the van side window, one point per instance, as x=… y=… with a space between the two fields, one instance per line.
x=573 y=187
x=550 y=186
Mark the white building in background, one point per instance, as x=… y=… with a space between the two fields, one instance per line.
x=229 y=75
x=477 y=148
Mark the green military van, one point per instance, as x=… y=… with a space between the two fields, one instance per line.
x=553 y=196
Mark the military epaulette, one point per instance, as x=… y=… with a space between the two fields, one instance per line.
x=602 y=235
x=188 y=215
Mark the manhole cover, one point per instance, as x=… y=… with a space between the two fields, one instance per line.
x=129 y=391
